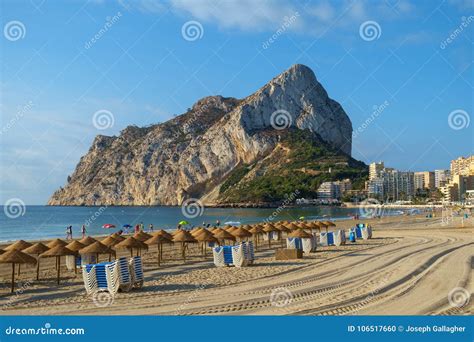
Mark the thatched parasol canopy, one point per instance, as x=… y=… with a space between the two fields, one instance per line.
x=300 y=233
x=18 y=246
x=131 y=243
x=55 y=243
x=141 y=236
x=158 y=240
x=164 y=233
x=292 y=226
x=87 y=240
x=16 y=257
x=205 y=236
x=221 y=234
x=36 y=249
x=183 y=236
x=75 y=246
x=58 y=252
x=329 y=223
x=117 y=237
x=241 y=233
x=96 y=248
x=110 y=241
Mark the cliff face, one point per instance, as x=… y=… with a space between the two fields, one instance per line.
x=192 y=155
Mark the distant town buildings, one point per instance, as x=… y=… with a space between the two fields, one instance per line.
x=455 y=184
x=388 y=184
x=441 y=177
x=462 y=166
x=333 y=190
x=460 y=183
x=424 y=180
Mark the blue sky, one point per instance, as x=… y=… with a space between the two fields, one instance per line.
x=141 y=69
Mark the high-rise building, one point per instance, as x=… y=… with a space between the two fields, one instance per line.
x=375 y=169
x=456 y=189
x=390 y=184
x=441 y=177
x=424 y=180
x=463 y=166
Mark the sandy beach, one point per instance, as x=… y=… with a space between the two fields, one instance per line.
x=410 y=267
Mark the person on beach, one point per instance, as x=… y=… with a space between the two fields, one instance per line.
x=142 y=226
x=151 y=227
x=69 y=233
x=83 y=231
x=218 y=223
x=137 y=228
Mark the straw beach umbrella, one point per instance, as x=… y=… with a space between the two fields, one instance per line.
x=109 y=241
x=36 y=249
x=18 y=246
x=158 y=240
x=97 y=248
x=222 y=235
x=268 y=229
x=131 y=243
x=117 y=237
x=183 y=237
x=256 y=231
x=16 y=257
x=300 y=233
x=58 y=252
x=74 y=246
x=241 y=233
x=205 y=236
x=87 y=240
x=329 y=224
x=141 y=236
x=164 y=233
x=56 y=242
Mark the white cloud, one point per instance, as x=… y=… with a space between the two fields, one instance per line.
x=242 y=14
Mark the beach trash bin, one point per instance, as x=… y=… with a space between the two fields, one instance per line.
x=352 y=237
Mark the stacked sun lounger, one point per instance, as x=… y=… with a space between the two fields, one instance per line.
x=326 y=239
x=339 y=237
x=307 y=245
x=366 y=232
x=238 y=255
x=113 y=276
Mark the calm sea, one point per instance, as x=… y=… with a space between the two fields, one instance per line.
x=44 y=222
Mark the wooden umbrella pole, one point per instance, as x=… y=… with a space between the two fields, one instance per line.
x=131 y=252
x=13 y=276
x=59 y=267
x=19 y=267
x=37 y=268
x=158 y=255
x=269 y=241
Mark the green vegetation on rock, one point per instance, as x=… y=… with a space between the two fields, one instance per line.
x=301 y=161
